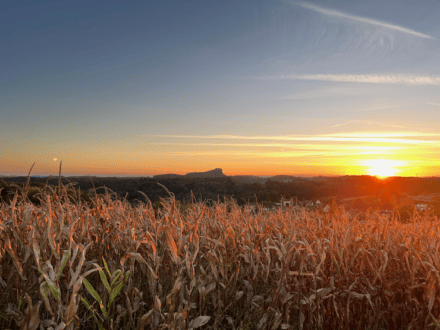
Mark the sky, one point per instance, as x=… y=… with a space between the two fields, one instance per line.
x=139 y=88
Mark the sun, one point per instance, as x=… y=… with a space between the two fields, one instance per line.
x=382 y=168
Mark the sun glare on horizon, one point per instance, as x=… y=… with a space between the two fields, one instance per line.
x=382 y=168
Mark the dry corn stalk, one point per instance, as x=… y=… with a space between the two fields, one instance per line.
x=218 y=267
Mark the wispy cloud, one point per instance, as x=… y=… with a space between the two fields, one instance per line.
x=342 y=15
x=323 y=138
x=367 y=122
x=284 y=146
x=373 y=79
x=385 y=134
x=432 y=103
x=327 y=92
x=342 y=149
x=315 y=151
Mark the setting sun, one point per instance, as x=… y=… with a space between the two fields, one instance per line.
x=382 y=168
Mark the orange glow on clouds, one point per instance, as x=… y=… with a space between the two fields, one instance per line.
x=350 y=153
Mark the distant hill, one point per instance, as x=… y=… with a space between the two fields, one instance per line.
x=215 y=173
x=286 y=178
x=249 y=179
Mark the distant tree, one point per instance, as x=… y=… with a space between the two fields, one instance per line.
x=359 y=204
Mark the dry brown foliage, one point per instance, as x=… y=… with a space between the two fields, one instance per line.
x=113 y=266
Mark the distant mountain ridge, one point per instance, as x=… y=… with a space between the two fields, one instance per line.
x=215 y=173
x=218 y=173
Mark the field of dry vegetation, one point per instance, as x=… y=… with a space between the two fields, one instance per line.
x=112 y=266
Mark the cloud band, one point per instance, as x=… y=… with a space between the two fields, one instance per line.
x=342 y=15
x=372 y=79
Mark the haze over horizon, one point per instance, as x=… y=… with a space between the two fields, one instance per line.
x=253 y=87
x=55 y=175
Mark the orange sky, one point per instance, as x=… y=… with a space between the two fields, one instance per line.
x=400 y=153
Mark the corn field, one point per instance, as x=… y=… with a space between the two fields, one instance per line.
x=66 y=265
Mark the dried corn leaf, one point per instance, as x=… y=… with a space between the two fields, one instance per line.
x=198 y=322
x=262 y=322
x=145 y=319
x=171 y=245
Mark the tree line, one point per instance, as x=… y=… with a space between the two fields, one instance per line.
x=186 y=190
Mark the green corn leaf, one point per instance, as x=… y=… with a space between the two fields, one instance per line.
x=63 y=264
x=115 y=279
x=116 y=283
x=93 y=313
x=104 y=310
x=86 y=304
x=115 y=292
x=105 y=281
x=52 y=287
x=127 y=275
x=106 y=267
x=92 y=291
x=117 y=271
x=95 y=295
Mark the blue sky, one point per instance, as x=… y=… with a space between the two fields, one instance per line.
x=253 y=87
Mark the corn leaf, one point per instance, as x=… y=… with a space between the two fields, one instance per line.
x=104 y=281
x=115 y=292
x=92 y=291
x=93 y=313
x=106 y=268
x=115 y=277
x=63 y=264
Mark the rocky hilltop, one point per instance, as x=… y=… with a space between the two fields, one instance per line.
x=215 y=173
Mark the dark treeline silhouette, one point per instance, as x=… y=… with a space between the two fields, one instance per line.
x=240 y=188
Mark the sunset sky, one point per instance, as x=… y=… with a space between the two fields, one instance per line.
x=254 y=87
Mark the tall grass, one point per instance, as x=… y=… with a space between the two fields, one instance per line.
x=115 y=266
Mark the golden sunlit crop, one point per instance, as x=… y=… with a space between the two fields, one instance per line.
x=249 y=259
x=383 y=168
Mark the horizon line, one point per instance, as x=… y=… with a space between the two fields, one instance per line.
x=261 y=176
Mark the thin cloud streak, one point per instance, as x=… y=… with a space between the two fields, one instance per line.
x=306 y=138
x=386 y=134
x=432 y=103
x=278 y=154
x=372 y=79
x=339 y=147
x=366 y=122
x=342 y=15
